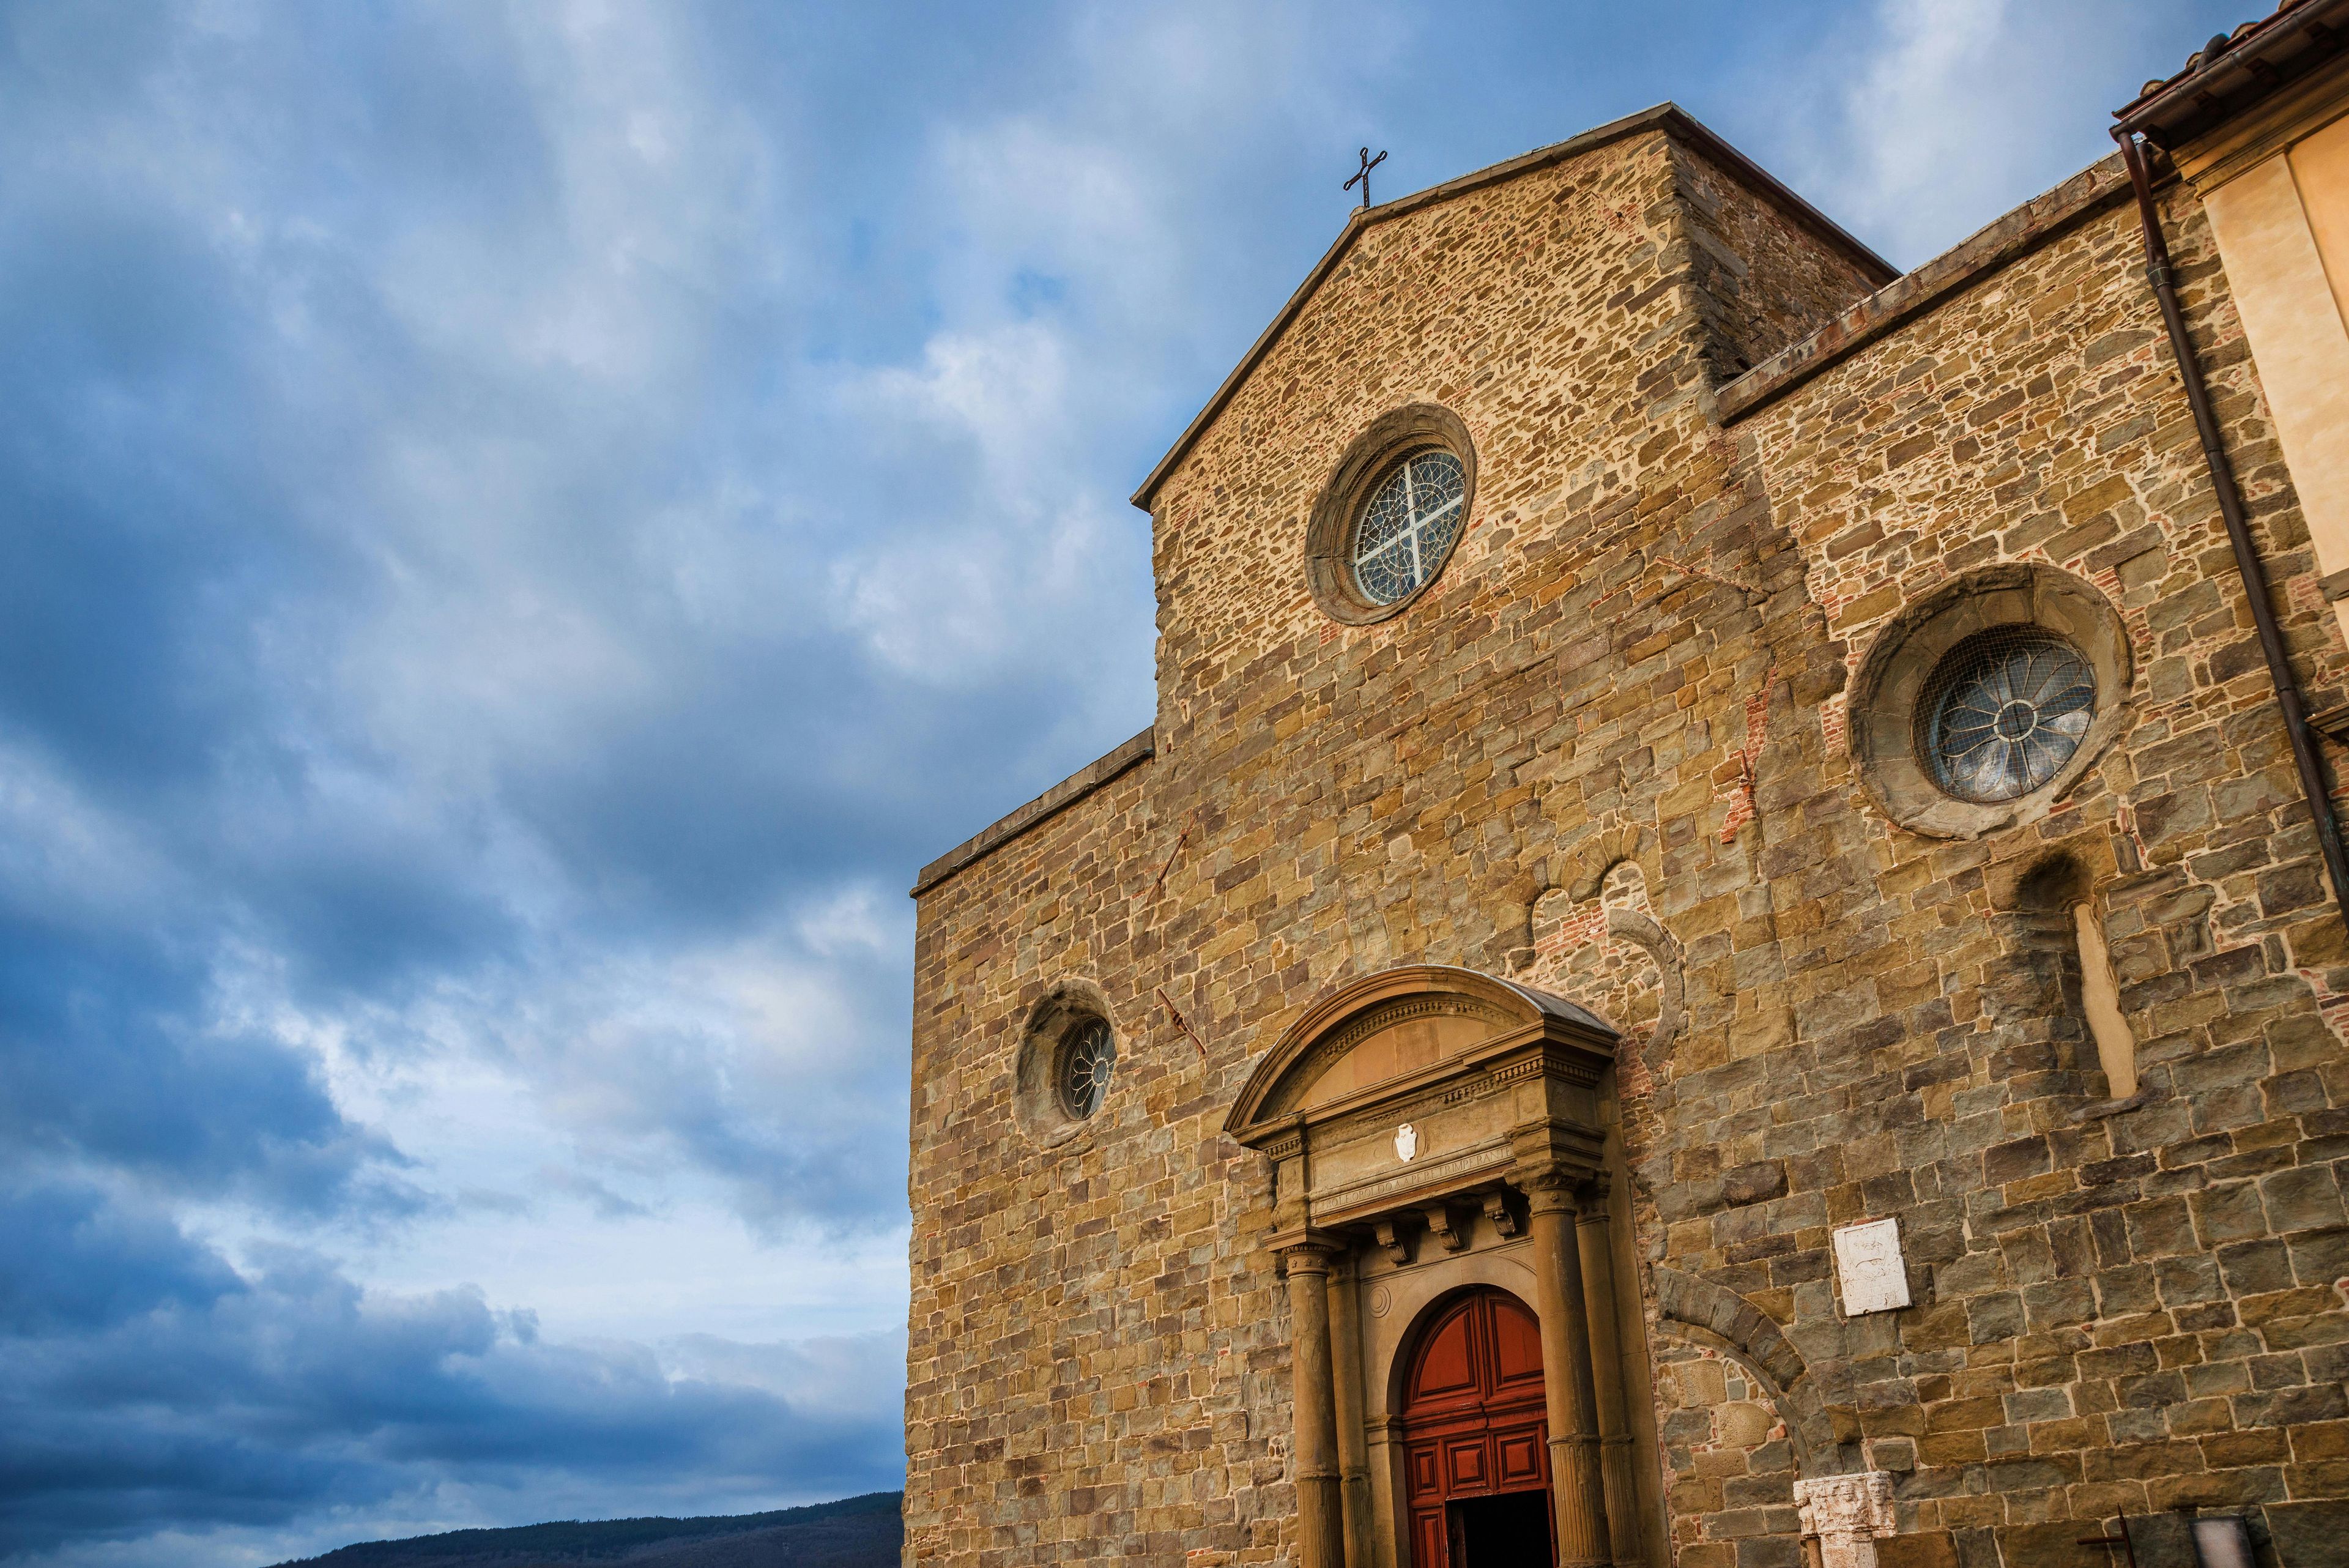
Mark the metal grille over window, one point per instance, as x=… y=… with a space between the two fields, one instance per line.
x=2004 y=711
x=1408 y=525
x=1085 y=1062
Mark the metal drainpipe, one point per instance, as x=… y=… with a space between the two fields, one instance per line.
x=2239 y=534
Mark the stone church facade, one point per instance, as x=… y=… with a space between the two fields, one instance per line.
x=1560 y=1045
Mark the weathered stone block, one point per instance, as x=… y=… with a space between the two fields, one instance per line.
x=2307 y=1198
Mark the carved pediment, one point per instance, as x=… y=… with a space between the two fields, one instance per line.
x=1397 y=1029
x=1392 y=1039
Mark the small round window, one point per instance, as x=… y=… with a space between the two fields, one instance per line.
x=1081 y=1078
x=1409 y=524
x=1393 y=507
x=1061 y=1066
x=2003 y=712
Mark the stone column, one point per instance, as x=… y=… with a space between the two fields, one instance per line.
x=1388 y=1486
x=1577 y=1489
x=1606 y=1377
x=1353 y=1449
x=1313 y=1458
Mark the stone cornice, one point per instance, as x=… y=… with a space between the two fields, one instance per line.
x=2038 y=222
x=1452 y=1177
x=1058 y=798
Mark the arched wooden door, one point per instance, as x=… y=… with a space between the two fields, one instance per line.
x=1475 y=1439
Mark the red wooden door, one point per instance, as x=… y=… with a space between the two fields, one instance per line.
x=1473 y=1416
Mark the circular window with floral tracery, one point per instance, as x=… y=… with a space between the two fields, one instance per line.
x=1408 y=525
x=1062 y=1066
x=1087 y=1056
x=1983 y=704
x=2005 y=711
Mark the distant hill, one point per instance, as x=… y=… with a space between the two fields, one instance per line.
x=854 y=1533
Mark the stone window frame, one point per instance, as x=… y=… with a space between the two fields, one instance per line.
x=1052 y=1022
x=1899 y=668
x=1329 y=534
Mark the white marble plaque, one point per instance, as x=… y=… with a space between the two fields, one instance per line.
x=1406 y=1143
x=1874 y=1276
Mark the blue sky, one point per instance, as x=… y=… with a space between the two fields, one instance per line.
x=523 y=526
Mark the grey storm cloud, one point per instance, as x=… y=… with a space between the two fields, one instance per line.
x=521 y=526
x=151 y=1385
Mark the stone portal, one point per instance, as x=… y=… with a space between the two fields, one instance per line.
x=1440 y=1149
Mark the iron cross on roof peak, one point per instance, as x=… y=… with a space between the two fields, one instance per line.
x=1363 y=178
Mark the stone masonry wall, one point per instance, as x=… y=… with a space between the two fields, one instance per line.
x=1638 y=655
x=2131 y=1311
x=1762 y=282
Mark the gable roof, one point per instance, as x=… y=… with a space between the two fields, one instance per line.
x=1666 y=116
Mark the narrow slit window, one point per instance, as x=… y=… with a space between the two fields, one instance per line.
x=2100 y=999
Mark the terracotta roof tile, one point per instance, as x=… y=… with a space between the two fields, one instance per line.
x=2238 y=68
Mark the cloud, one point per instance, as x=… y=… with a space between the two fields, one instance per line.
x=155 y=1386
x=416 y=683
x=82 y=1263
x=1952 y=111
x=98 y=1064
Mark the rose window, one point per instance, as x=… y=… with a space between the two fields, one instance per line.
x=1086 y=1058
x=2004 y=711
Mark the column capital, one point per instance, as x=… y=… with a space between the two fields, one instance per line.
x=1848 y=1514
x=1593 y=1203
x=1556 y=1189
x=1305 y=1250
